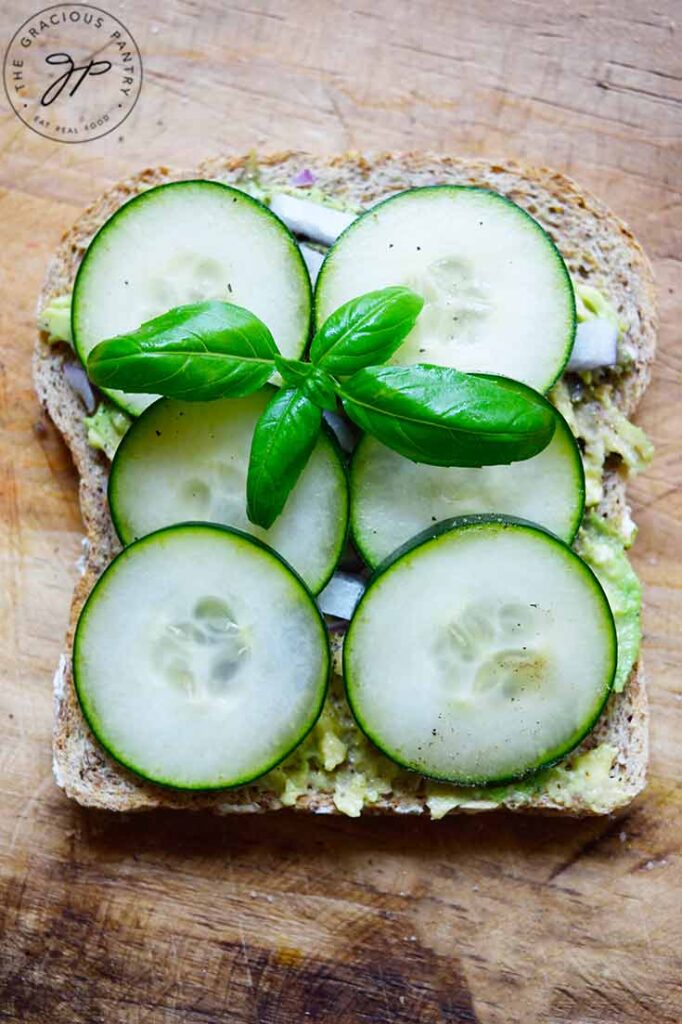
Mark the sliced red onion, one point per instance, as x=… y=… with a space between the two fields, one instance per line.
x=313 y=261
x=336 y=625
x=311 y=220
x=344 y=431
x=341 y=595
x=77 y=378
x=351 y=562
x=304 y=177
x=596 y=345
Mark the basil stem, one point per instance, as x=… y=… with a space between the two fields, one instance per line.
x=294 y=372
x=283 y=441
x=442 y=417
x=321 y=389
x=197 y=352
x=316 y=384
x=365 y=331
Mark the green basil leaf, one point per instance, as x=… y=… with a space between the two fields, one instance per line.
x=283 y=441
x=437 y=415
x=197 y=353
x=365 y=331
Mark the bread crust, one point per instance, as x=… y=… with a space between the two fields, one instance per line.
x=598 y=248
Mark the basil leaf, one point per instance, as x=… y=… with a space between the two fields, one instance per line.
x=437 y=415
x=283 y=441
x=197 y=353
x=365 y=331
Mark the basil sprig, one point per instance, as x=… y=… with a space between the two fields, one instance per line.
x=197 y=353
x=437 y=415
x=430 y=414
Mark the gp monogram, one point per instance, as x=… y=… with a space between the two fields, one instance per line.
x=72 y=73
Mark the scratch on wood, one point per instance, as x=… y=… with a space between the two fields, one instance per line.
x=612 y=827
x=245 y=953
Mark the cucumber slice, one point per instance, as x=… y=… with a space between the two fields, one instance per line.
x=184 y=461
x=393 y=499
x=482 y=653
x=498 y=296
x=200 y=659
x=187 y=242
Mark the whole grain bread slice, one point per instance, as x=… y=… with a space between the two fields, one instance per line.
x=598 y=248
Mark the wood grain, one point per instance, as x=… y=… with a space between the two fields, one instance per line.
x=281 y=920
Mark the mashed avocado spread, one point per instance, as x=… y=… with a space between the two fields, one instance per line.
x=600 y=545
x=591 y=303
x=603 y=431
x=336 y=757
x=55 y=319
x=106 y=428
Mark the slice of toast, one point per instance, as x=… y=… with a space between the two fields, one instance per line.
x=600 y=250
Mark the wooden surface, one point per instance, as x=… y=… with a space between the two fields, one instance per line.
x=280 y=919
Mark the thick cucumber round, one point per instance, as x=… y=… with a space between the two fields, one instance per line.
x=189 y=241
x=484 y=652
x=393 y=499
x=498 y=297
x=200 y=659
x=185 y=461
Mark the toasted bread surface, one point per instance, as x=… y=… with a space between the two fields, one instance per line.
x=598 y=248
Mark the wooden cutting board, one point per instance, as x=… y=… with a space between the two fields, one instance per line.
x=281 y=919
